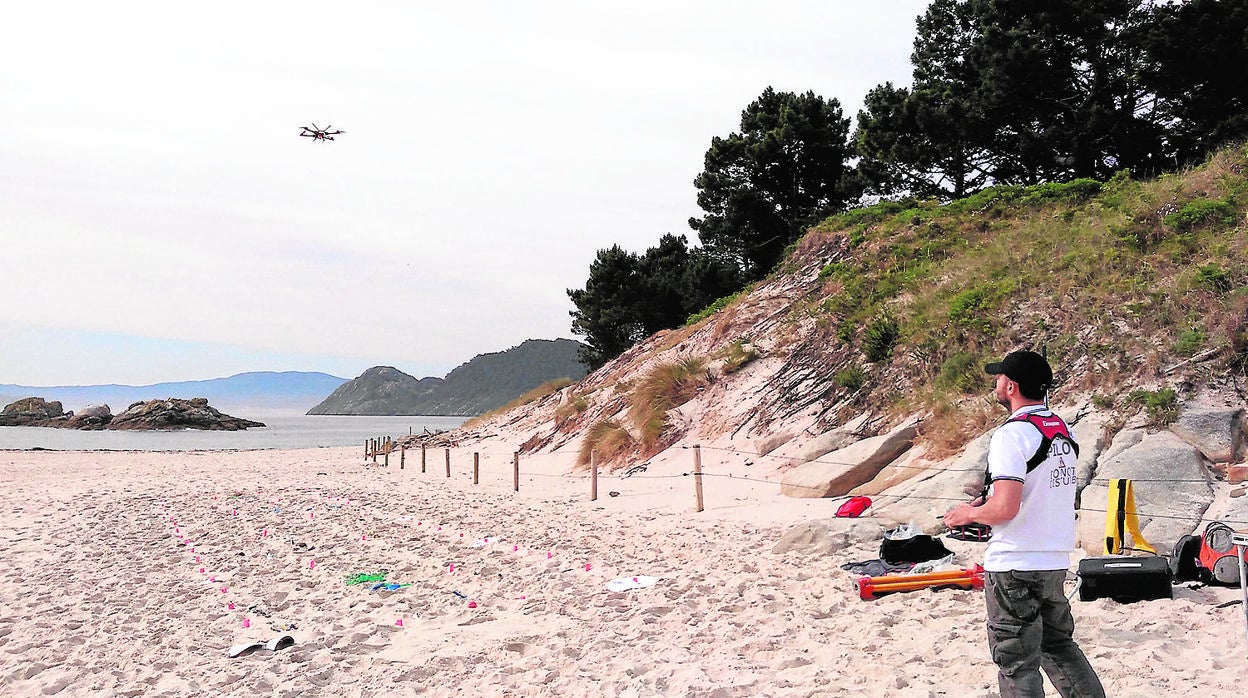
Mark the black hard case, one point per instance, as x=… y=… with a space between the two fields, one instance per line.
x=1125 y=579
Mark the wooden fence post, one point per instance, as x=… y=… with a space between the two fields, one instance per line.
x=422 y=457
x=365 y=449
x=402 y=455
x=697 y=474
x=375 y=449
x=593 y=475
x=387 y=456
x=515 y=471
x=448 y=461
x=476 y=467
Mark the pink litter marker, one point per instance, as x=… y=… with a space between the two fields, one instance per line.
x=223 y=589
x=399 y=622
x=450 y=567
x=362 y=536
x=472 y=604
x=230 y=605
x=246 y=622
x=587 y=566
x=549 y=555
x=201 y=570
x=515 y=548
x=311 y=564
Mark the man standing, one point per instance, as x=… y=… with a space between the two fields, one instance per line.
x=1031 y=508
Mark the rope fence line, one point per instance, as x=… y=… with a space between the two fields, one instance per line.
x=698 y=473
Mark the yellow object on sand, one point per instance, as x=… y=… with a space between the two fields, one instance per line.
x=1120 y=515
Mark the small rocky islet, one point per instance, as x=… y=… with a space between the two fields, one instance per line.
x=172 y=414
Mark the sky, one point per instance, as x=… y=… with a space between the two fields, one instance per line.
x=161 y=219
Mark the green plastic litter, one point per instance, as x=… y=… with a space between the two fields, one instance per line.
x=363 y=578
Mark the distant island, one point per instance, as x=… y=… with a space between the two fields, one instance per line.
x=264 y=390
x=172 y=414
x=486 y=382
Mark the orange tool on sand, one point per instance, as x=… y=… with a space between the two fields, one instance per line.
x=870 y=587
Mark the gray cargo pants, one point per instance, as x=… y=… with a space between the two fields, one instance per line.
x=1030 y=627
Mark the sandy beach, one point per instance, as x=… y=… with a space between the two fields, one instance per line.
x=132 y=574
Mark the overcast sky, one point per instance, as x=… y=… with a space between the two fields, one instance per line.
x=161 y=218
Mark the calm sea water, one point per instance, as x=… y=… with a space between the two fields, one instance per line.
x=282 y=430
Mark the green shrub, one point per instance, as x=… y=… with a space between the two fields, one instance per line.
x=962 y=373
x=1199 y=212
x=1190 y=341
x=713 y=308
x=846 y=331
x=832 y=269
x=1162 y=405
x=973 y=308
x=1214 y=277
x=851 y=378
x=878 y=340
x=1071 y=192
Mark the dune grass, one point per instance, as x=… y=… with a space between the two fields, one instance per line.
x=533 y=395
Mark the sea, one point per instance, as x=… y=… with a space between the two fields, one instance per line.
x=282 y=430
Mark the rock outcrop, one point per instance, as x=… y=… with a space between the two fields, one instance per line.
x=838 y=472
x=1172 y=489
x=173 y=414
x=153 y=415
x=33 y=412
x=91 y=417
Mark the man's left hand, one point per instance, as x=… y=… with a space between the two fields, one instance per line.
x=960 y=515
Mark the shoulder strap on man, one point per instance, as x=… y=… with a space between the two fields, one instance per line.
x=1051 y=428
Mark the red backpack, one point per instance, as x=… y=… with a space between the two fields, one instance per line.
x=854 y=507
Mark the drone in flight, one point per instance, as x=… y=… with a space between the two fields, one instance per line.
x=317 y=133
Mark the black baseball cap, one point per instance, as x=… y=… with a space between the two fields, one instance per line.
x=1027 y=368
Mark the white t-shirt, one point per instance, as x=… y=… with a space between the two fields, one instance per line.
x=1042 y=535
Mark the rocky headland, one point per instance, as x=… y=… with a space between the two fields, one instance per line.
x=171 y=414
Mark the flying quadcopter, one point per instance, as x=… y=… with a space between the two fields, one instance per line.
x=317 y=133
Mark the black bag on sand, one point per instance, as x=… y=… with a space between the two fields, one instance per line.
x=1125 y=579
x=1184 y=565
x=918 y=548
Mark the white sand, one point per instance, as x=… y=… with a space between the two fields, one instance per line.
x=101 y=595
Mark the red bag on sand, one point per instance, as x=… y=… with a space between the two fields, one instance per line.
x=854 y=507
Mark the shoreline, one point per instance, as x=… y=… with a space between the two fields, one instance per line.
x=101 y=595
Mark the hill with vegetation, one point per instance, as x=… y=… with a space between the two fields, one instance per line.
x=482 y=384
x=1135 y=289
